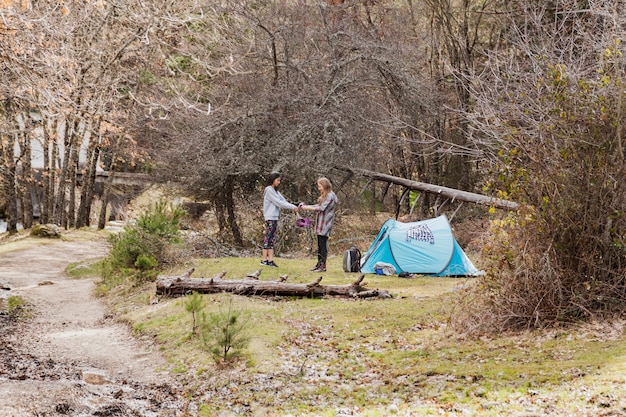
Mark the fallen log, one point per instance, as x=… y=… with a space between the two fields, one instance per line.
x=373 y=294
x=251 y=285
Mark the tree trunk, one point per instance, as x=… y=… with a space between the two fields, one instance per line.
x=8 y=173
x=102 y=220
x=59 y=205
x=184 y=284
x=26 y=179
x=230 y=207
x=10 y=193
x=446 y=192
x=52 y=170
x=219 y=214
x=73 y=171
x=88 y=186
x=108 y=185
x=7 y=168
x=45 y=174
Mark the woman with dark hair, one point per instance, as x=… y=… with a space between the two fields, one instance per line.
x=324 y=217
x=273 y=201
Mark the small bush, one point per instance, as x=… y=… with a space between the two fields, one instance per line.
x=17 y=306
x=144 y=245
x=224 y=334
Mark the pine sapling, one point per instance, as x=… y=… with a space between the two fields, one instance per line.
x=225 y=334
x=194 y=304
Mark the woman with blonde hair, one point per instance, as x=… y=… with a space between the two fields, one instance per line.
x=324 y=217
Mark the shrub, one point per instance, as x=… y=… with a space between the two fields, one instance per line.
x=561 y=258
x=141 y=249
x=146 y=265
x=17 y=306
x=156 y=228
x=224 y=334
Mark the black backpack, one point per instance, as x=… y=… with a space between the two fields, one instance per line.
x=352 y=260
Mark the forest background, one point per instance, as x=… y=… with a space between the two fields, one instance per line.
x=520 y=100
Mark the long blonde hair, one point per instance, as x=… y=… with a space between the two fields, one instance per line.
x=327 y=188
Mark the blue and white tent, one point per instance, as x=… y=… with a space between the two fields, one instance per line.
x=425 y=247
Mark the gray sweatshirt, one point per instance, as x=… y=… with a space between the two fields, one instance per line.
x=273 y=201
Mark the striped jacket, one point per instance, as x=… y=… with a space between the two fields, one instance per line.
x=325 y=215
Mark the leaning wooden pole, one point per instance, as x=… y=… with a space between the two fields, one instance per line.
x=450 y=193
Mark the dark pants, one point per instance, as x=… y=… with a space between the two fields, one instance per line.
x=322 y=249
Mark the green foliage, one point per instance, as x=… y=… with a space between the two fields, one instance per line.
x=127 y=246
x=224 y=334
x=179 y=63
x=17 y=306
x=413 y=197
x=140 y=250
x=194 y=304
x=147 y=77
x=110 y=278
x=146 y=267
x=161 y=220
x=146 y=262
x=156 y=228
x=84 y=269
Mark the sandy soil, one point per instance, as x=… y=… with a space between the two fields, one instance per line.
x=71 y=358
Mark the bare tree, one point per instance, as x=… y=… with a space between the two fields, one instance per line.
x=74 y=65
x=310 y=86
x=549 y=109
x=25 y=181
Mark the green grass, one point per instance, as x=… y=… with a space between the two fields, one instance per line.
x=84 y=269
x=371 y=355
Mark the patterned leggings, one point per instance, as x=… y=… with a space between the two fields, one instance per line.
x=270 y=234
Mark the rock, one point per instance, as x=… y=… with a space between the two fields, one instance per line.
x=95 y=379
x=46 y=230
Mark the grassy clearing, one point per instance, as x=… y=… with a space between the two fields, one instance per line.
x=326 y=357
x=375 y=357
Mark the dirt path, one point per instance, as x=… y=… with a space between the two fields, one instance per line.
x=70 y=358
